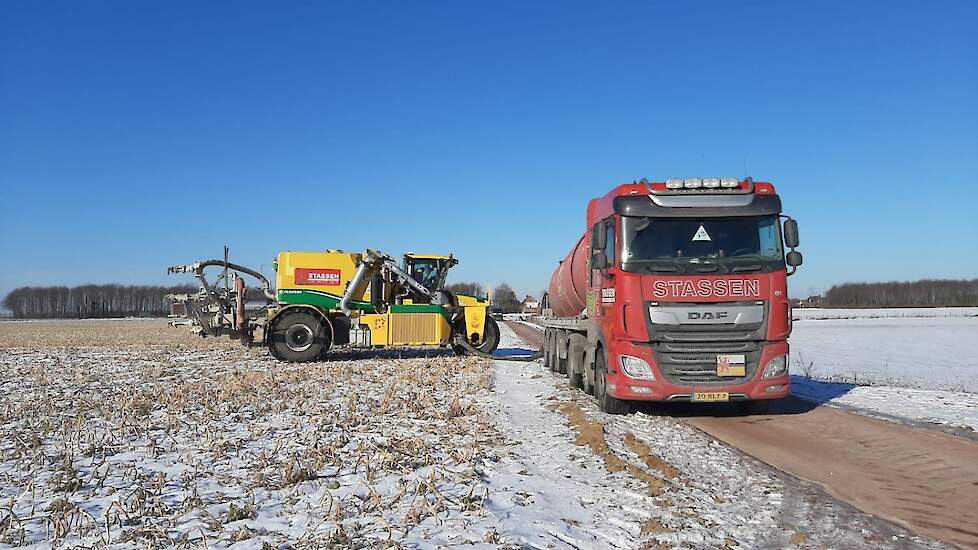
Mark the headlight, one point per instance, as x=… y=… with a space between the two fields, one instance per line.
x=711 y=183
x=692 y=183
x=636 y=368
x=674 y=184
x=729 y=183
x=776 y=367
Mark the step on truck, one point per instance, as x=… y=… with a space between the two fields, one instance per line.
x=677 y=291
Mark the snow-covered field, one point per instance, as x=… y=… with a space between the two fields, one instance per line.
x=929 y=353
x=918 y=368
x=115 y=442
x=829 y=313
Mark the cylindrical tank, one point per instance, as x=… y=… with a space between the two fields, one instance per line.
x=568 y=285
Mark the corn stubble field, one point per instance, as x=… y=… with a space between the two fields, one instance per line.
x=135 y=434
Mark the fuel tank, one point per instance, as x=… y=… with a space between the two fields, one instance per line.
x=568 y=284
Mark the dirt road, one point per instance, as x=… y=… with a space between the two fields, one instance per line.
x=922 y=478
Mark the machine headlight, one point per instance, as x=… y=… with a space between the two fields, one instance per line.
x=711 y=183
x=674 y=184
x=693 y=183
x=636 y=368
x=729 y=183
x=776 y=367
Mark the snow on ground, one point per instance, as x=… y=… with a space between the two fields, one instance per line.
x=958 y=409
x=832 y=313
x=141 y=446
x=935 y=353
x=574 y=477
x=125 y=444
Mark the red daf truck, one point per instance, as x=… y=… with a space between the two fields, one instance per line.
x=676 y=292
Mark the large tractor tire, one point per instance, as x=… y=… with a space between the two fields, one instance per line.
x=607 y=403
x=299 y=337
x=490 y=339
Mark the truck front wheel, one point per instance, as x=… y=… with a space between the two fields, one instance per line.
x=607 y=403
x=299 y=337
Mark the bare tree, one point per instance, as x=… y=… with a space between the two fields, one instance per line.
x=469 y=289
x=924 y=293
x=504 y=297
x=91 y=301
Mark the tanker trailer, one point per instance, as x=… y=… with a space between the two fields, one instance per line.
x=677 y=292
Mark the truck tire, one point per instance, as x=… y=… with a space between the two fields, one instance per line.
x=490 y=338
x=546 y=348
x=575 y=360
x=299 y=337
x=560 y=363
x=607 y=403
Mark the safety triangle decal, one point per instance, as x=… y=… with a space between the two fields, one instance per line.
x=701 y=234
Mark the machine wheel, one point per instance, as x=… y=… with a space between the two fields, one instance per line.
x=575 y=361
x=759 y=406
x=607 y=403
x=490 y=339
x=299 y=337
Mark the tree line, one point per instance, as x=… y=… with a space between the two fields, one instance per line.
x=92 y=301
x=503 y=296
x=925 y=293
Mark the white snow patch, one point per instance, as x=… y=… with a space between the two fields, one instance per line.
x=877 y=313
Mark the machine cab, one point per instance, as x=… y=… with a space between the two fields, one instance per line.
x=429 y=269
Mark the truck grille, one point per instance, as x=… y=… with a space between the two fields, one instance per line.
x=686 y=353
x=695 y=363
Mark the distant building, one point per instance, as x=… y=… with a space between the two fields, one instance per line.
x=811 y=301
x=530 y=305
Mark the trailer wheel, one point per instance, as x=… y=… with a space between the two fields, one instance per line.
x=560 y=364
x=546 y=348
x=299 y=337
x=607 y=403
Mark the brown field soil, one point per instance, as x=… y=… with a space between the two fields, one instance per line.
x=102 y=332
x=133 y=432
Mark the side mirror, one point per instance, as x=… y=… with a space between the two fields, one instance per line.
x=599 y=260
x=599 y=236
x=793 y=258
x=791 y=233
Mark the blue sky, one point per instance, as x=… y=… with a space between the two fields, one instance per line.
x=138 y=135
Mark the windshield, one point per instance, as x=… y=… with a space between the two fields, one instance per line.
x=428 y=272
x=708 y=241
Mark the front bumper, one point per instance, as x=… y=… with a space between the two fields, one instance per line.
x=751 y=387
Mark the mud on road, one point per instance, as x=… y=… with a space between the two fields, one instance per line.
x=920 y=478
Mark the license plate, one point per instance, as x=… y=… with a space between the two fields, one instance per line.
x=731 y=365
x=711 y=396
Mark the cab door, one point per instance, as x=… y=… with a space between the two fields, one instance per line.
x=603 y=273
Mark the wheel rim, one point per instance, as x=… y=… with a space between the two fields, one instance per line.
x=298 y=337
